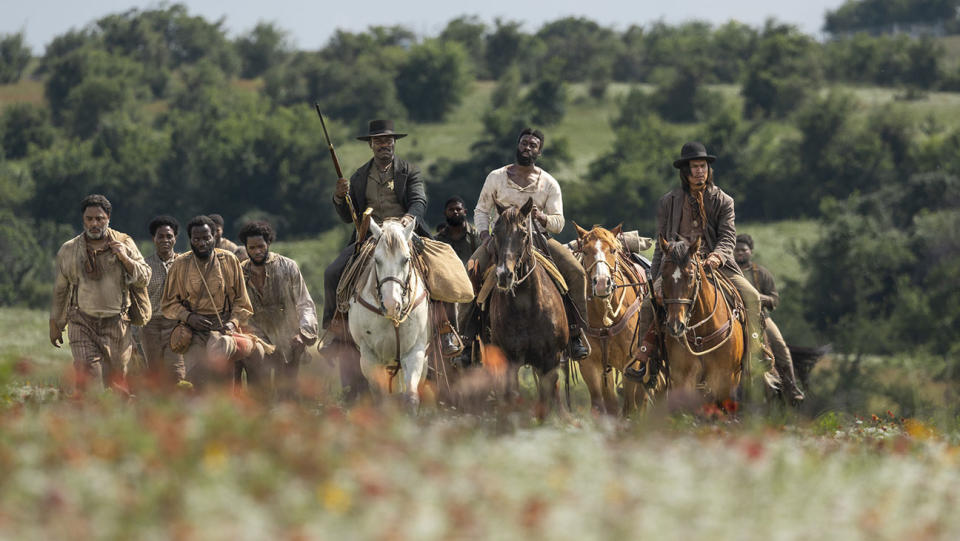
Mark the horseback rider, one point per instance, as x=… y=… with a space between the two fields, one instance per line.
x=393 y=188
x=514 y=184
x=698 y=209
x=762 y=280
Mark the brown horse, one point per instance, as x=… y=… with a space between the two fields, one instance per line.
x=615 y=292
x=705 y=345
x=528 y=322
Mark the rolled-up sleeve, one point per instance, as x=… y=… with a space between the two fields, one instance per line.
x=553 y=208
x=61 y=290
x=485 y=204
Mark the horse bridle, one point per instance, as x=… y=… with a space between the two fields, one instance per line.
x=691 y=300
x=589 y=269
x=406 y=307
x=527 y=250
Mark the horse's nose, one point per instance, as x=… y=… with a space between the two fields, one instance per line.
x=676 y=327
x=602 y=286
x=505 y=277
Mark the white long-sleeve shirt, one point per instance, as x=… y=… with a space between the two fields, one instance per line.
x=498 y=188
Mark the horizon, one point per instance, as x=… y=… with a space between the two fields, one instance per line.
x=43 y=20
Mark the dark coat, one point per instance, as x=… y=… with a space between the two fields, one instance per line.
x=762 y=280
x=720 y=233
x=407 y=184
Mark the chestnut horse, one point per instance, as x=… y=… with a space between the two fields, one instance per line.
x=705 y=345
x=615 y=290
x=528 y=322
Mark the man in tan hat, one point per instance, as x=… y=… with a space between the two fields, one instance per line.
x=393 y=188
x=698 y=209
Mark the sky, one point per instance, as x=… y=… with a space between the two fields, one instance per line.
x=310 y=24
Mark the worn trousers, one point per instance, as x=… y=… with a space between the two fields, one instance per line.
x=207 y=360
x=331 y=279
x=101 y=348
x=162 y=363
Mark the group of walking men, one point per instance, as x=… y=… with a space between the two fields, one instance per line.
x=236 y=313
x=211 y=318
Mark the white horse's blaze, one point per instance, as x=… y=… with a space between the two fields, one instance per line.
x=677 y=275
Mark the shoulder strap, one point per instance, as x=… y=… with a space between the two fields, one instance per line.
x=207 y=288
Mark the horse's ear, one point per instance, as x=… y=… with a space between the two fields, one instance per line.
x=527 y=207
x=500 y=208
x=408 y=230
x=663 y=244
x=375 y=230
x=617 y=230
x=581 y=232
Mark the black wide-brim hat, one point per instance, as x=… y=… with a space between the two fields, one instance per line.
x=693 y=151
x=379 y=128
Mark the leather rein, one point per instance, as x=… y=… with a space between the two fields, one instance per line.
x=723 y=333
x=405 y=311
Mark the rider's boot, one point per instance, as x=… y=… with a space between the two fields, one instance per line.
x=788 y=381
x=579 y=346
x=450 y=343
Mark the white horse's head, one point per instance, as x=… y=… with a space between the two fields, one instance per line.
x=392 y=265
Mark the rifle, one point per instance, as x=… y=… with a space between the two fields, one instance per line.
x=336 y=165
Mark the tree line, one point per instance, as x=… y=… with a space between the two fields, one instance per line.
x=145 y=106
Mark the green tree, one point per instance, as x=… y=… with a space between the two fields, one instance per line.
x=433 y=80
x=263 y=47
x=504 y=45
x=14 y=57
x=575 y=45
x=783 y=70
x=470 y=32
x=23 y=125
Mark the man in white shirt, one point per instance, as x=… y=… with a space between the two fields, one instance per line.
x=513 y=185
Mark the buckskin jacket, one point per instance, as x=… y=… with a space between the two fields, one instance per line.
x=720 y=233
x=407 y=184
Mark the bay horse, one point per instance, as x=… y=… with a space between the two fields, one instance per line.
x=528 y=322
x=705 y=346
x=389 y=315
x=615 y=291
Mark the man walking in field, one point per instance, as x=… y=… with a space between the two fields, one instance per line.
x=762 y=280
x=283 y=312
x=205 y=293
x=162 y=363
x=91 y=296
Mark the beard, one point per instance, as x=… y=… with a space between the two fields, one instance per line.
x=260 y=262
x=201 y=253
x=457 y=220
x=525 y=161
x=96 y=235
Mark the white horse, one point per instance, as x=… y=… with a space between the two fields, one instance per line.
x=389 y=316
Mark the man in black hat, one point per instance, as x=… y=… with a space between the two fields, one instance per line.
x=393 y=188
x=699 y=209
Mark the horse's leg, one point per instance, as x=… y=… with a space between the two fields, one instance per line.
x=608 y=390
x=414 y=369
x=631 y=397
x=592 y=377
x=547 y=392
x=684 y=377
x=375 y=372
